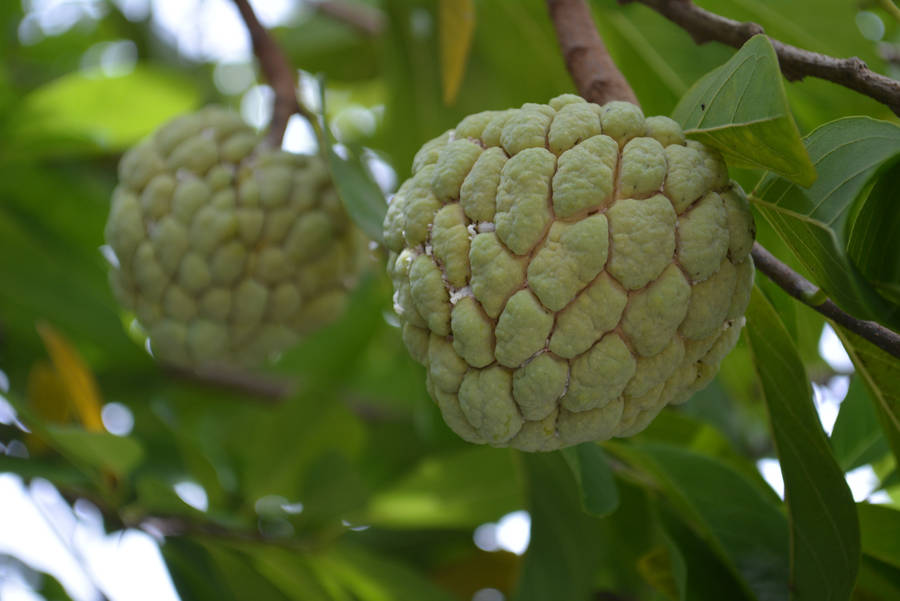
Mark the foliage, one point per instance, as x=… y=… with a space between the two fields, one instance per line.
x=351 y=487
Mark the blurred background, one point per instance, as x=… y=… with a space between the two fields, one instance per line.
x=352 y=487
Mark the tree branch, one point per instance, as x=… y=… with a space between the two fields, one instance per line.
x=592 y=66
x=279 y=73
x=587 y=59
x=796 y=63
x=366 y=19
x=810 y=295
x=264 y=388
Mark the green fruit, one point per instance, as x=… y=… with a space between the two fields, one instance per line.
x=227 y=251
x=565 y=271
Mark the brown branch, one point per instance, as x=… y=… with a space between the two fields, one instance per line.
x=796 y=63
x=366 y=19
x=279 y=73
x=809 y=294
x=264 y=388
x=589 y=63
x=587 y=59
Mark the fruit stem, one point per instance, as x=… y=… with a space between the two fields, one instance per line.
x=280 y=75
x=596 y=75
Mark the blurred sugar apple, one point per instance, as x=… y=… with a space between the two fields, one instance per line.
x=564 y=271
x=227 y=251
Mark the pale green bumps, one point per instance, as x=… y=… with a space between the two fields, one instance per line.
x=572 y=256
x=643 y=239
x=523 y=211
x=226 y=252
x=522 y=329
x=565 y=271
x=584 y=179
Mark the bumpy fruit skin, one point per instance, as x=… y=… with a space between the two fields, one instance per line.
x=565 y=271
x=227 y=252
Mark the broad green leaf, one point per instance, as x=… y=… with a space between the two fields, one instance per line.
x=698 y=571
x=241 y=577
x=824 y=529
x=589 y=465
x=740 y=109
x=744 y=526
x=857 y=438
x=815 y=223
x=879 y=529
x=101 y=450
x=565 y=541
x=872 y=240
x=663 y=567
x=360 y=194
x=881 y=374
x=876 y=581
x=457 y=23
x=275 y=447
x=371 y=577
x=81 y=111
x=454 y=490
x=289 y=571
x=193 y=571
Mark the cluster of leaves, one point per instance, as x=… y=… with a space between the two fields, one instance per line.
x=678 y=512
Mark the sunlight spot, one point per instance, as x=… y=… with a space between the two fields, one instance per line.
x=771 y=473
x=862 y=482
x=488 y=594
x=256 y=105
x=193 y=494
x=831 y=349
x=117 y=419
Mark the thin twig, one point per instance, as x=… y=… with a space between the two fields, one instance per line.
x=566 y=14
x=809 y=294
x=264 y=388
x=279 y=73
x=587 y=59
x=366 y=19
x=796 y=63
x=890 y=8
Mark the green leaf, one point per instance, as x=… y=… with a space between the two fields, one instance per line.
x=815 y=223
x=877 y=581
x=663 y=567
x=370 y=577
x=589 y=465
x=565 y=541
x=879 y=529
x=457 y=23
x=241 y=577
x=360 y=194
x=454 y=490
x=705 y=577
x=744 y=526
x=872 y=241
x=824 y=530
x=291 y=572
x=83 y=111
x=857 y=438
x=100 y=450
x=881 y=374
x=740 y=108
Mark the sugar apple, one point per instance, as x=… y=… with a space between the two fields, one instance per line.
x=225 y=250
x=564 y=271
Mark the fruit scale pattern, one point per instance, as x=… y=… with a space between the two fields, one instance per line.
x=565 y=271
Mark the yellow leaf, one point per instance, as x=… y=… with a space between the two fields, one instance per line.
x=457 y=23
x=47 y=394
x=75 y=376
